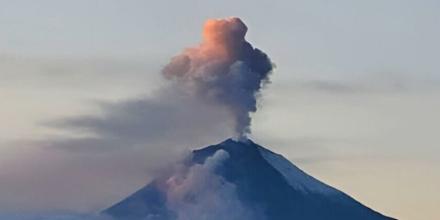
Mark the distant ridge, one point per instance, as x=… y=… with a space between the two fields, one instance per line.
x=263 y=181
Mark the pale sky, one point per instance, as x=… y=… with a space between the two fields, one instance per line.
x=354 y=99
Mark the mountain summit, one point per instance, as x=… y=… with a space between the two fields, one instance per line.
x=237 y=180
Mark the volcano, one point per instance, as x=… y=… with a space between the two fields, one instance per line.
x=264 y=186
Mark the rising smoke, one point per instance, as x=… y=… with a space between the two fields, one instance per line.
x=198 y=193
x=224 y=69
x=213 y=89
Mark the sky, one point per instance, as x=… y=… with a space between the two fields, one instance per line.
x=353 y=99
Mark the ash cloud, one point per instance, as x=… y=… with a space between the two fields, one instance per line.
x=212 y=90
x=224 y=69
x=197 y=192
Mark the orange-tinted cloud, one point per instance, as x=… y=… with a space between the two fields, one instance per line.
x=224 y=69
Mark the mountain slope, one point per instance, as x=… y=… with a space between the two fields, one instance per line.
x=265 y=184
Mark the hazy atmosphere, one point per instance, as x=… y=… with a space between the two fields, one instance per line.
x=353 y=98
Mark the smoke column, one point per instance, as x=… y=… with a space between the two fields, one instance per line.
x=197 y=192
x=224 y=69
x=212 y=90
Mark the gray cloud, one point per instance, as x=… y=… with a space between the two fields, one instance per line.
x=330 y=86
x=150 y=132
x=224 y=69
x=197 y=192
x=90 y=76
x=384 y=82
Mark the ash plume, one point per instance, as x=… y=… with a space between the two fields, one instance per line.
x=197 y=192
x=212 y=89
x=224 y=69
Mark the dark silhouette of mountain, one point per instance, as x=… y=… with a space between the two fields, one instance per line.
x=263 y=181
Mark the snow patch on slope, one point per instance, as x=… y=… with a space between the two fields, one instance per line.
x=296 y=178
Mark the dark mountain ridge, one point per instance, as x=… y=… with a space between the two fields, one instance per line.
x=265 y=182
